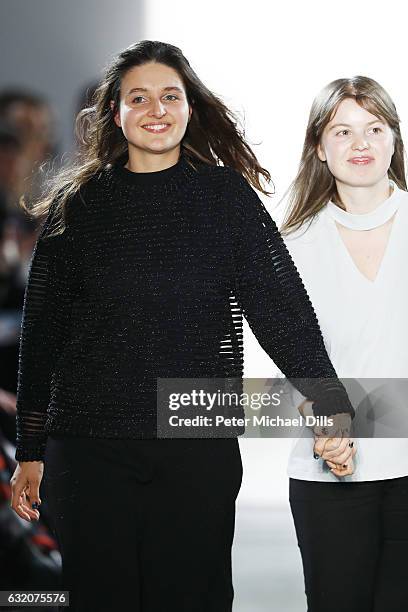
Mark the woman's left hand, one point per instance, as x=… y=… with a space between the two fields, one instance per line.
x=336 y=450
x=338 y=470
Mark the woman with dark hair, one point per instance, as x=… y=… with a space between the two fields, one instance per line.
x=346 y=230
x=151 y=253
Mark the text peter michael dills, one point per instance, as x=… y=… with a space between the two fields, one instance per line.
x=255 y=420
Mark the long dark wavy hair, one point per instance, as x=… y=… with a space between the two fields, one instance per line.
x=213 y=135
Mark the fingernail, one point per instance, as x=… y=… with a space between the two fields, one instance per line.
x=316 y=456
x=35 y=505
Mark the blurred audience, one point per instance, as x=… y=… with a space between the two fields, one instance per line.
x=33 y=119
x=29 y=556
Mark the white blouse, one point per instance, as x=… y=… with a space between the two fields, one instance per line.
x=365 y=328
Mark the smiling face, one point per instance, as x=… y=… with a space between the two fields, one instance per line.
x=356 y=145
x=154 y=111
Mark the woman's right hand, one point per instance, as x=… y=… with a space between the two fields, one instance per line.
x=25 y=489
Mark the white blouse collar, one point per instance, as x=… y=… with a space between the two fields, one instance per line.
x=370 y=220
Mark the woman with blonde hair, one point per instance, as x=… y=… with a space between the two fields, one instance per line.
x=346 y=229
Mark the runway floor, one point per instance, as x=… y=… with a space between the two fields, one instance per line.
x=266 y=562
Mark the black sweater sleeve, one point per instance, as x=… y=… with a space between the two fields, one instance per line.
x=46 y=313
x=276 y=305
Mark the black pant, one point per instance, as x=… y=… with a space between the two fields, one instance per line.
x=144 y=525
x=353 y=538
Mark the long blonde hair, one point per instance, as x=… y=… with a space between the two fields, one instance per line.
x=314 y=184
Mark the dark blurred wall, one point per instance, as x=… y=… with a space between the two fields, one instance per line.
x=57 y=47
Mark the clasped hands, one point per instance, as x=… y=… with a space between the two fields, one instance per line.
x=334 y=445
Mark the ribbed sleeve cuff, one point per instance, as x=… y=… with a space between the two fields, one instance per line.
x=32 y=453
x=333 y=401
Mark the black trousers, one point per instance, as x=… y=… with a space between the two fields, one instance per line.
x=144 y=525
x=353 y=538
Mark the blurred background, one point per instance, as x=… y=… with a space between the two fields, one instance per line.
x=267 y=61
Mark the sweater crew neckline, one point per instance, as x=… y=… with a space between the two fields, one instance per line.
x=151 y=181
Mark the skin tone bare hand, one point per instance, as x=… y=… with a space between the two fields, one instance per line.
x=25 y=489
x=343 y=471
x=337 y=450
x=334 y=444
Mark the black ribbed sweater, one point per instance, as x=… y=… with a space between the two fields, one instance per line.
x=151 y=279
